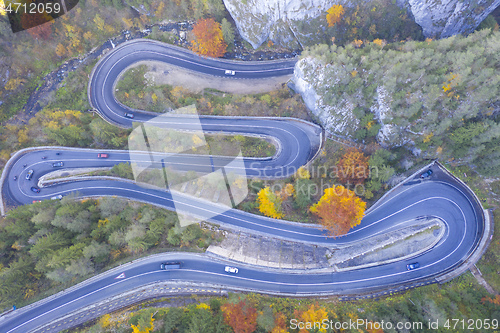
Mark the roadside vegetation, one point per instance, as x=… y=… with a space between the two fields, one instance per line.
x=462 y=298
x=358 y=177
x=50 y=245
x=137 y=91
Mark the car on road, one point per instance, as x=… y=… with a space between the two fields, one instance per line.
x=229 y=72
x=35 y=189
x=412 y=266
x=426 y=174
x=35 y=201
x=56 y=197
x=129 y=115
x=29 y=174
x=15 y=177
x=102 y=155
x=57 y=164
x=170 y=265
x=230 y=269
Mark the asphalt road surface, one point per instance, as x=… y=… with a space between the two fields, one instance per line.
x=438 y=196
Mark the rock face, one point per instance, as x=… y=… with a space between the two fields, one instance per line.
x=337 y=118
x=440 y=19
x=278 y=20
x=292 y=23
x=314 y=81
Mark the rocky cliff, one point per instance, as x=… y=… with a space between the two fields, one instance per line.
x=282 y=21
x=294 y=23
x=440 y=19
x=423 y=95
x=337 y=118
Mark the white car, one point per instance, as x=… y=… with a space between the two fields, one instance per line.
x=229 y=72
x=230 y=269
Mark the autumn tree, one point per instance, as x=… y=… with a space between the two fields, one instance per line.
x=270 y=203
x=494 y=300
x=241 y=316
x=352 y=168
x=313 y=315
x=280 y=323
x=339 y=210
x=209 y=40
x=60 y=50
x=303 y=173
x=334 y=14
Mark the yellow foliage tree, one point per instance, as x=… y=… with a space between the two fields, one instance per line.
x=60 y=50
x=357 y=43
x=22 y=136
x=314 y=314
x=339 y=210
x=379 y=42
x=286 y=192
x=303 y=173
x=99 y=22
x=128 y=22
x=87 y=35
x=160 y=9
x=105 y=321
x=204 y=306
x=334 y=15
x=12 y=84
x=269 y=203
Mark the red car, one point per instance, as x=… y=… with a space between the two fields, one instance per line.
x=102 y=155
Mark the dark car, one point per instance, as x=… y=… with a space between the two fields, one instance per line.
x=102 y=155
x=35 y=189
x=426 y=174
x=57 y=164
x=129 y=115
x=170 y=265
x=29 y=174
x=411 y=266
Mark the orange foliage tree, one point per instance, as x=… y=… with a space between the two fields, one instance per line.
x=240 y=316
x=495 y=300
x=208 y=38
x=280 y=323
x=353 y=167
x=339 y=210
x=334 y=14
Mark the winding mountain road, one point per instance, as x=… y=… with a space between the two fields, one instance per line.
x=440 y=196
